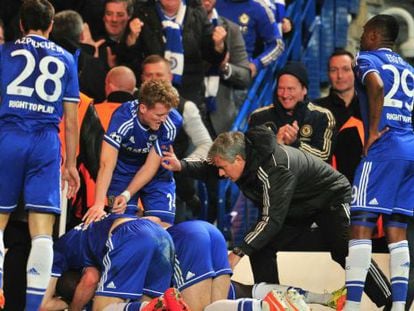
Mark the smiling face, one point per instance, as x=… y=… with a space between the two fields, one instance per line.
x=156 y=71
x=170 y=6
x=153 y=117
x=116 y=19
x=230 y=170
x=290 y=91
x=341 y=74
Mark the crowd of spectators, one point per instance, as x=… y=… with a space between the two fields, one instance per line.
x=210 y=51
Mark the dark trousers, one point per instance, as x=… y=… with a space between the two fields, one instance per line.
x=331 y=235
x=17 y=240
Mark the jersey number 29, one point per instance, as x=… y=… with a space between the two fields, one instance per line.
x=389 y=99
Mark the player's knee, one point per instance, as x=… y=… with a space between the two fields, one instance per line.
x=364 y=219
x=395 y=220
x=90 y=277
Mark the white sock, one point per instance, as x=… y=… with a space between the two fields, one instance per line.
x=39 y=264
x=39 y=267
x=399 y=270
x=357 y=265
x=243 y=304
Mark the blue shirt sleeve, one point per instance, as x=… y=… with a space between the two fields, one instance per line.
x=120 y=127
x=364 y=65
x=71 y=93
x=270 y=36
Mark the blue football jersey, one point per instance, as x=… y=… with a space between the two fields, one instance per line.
x=255 y=19
x=134 y=140
x=398 y=79
x=95 y=237
x=36 y=76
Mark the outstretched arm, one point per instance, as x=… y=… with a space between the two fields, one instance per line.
x=144 y=175
x=109 y=156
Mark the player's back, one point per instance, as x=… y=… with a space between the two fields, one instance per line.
x=36 y=76
x=398 y=80
x=96 y=237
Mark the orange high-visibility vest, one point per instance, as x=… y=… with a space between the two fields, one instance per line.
x=105 y=111
x=83 y=105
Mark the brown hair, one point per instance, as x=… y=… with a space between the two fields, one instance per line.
x=152 y=92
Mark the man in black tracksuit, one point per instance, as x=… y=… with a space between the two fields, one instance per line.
x=293 y=189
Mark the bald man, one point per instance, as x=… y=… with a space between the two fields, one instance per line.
x=120 y=85
x=120 y=79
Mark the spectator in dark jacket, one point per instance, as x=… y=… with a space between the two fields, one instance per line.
x=67 y=31
x=297 y=121
x=343 y=103
x=185 y=37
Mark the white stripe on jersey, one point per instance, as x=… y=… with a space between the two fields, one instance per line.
x=126 y=126
x=71 y=99
x=113 y=141
x=369 y=71
x=178 y=274
x=8 y=207
x=107 y=265
x=362 y=191
x=171 y=129
x=157 y=147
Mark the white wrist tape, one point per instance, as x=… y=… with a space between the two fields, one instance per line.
x=127 y=195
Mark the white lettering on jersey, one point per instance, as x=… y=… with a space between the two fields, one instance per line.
x=18 y=104
x=42 y=44
x=398 y=117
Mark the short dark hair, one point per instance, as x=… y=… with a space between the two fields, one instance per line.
x=68 y=25
x=36 y=15
x=129 y=3
x=387 y=25
x=154 y=59
x=340 y=52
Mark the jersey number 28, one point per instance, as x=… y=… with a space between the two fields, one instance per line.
x=16 y=88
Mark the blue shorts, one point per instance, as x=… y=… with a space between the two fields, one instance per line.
x=158 y=198
x=139 y=261
x=30 y=166
x=384 y=187
x=201 y=253
x=68 y=252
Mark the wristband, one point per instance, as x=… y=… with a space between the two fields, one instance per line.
x=238 y=252
x=127 y=195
